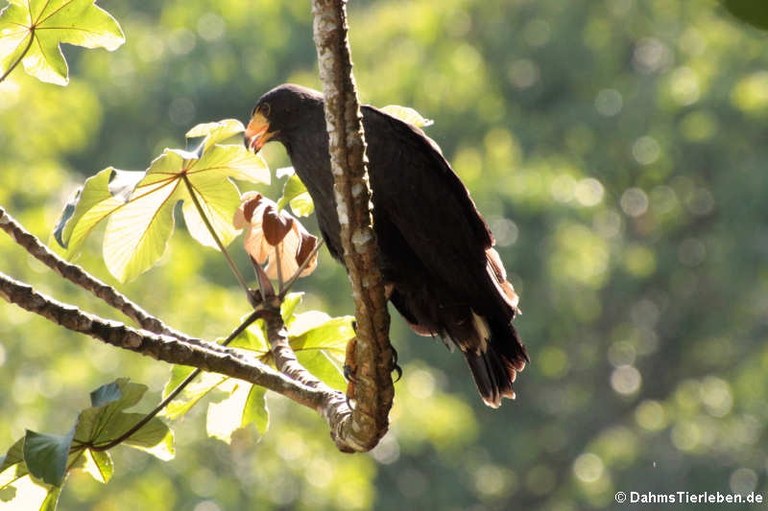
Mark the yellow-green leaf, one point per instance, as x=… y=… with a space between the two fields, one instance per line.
x=296 y=195
x=308 y=332
x=31 y=31
x=138 y=231
x=216 y=132
x=256 y=411
x=193 y=393
x=99 y=465
x=226 y=416
x=140 y=206
x=100 y=196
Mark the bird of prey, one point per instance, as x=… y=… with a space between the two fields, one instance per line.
x=440 y=270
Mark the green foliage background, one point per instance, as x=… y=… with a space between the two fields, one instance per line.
x=617 y=149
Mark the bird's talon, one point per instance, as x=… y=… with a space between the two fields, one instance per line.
x=395 y=366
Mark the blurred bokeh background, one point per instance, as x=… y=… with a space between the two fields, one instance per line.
x=618 y=150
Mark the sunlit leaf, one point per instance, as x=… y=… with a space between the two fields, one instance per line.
x=216 y=132
x=310 y=332
x=139 y=207
x=194 y=392
x=226 y=417
x=93 y=204
x=32 y=30
x=256 y=411
x=254 y=338
x=51 y=499
x=99 y=465
x=407 y=115
x=274 y=238
x=296 y=195
x=323 y=367
x=46 y=455
x=289 y=304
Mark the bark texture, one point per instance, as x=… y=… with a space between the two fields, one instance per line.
x=373 y=356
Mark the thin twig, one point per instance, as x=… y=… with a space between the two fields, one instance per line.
x=303 y=266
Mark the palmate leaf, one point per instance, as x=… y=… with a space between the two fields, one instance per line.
x=245 y=405
x=31 y=30
x=138 y=207
x=34 y=469
x=192 y=394
x=107 y=420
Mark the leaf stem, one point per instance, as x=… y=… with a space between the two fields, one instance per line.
x=256 y=314
x=284 y=288
x=232 y=266
x=21 y=57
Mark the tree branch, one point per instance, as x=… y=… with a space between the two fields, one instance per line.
x=177 y=350
x=80 y=277
x=373 y=356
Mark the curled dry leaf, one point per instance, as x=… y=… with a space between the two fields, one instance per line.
x=274 y=237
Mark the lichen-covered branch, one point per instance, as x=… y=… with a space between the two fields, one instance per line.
x=178 y=349
x=373 y=355
x=80 y=277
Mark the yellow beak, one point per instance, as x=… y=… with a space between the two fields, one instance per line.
x=257 y=133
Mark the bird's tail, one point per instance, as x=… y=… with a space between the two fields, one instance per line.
x=495 y=367
x=501 y=354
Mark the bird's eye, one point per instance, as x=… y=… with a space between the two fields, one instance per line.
x=266 y=109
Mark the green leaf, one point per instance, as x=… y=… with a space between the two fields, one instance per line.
x=7 y=493
x=13 y=456
x=98 y=464
x=254 y=338
x=193 y=393
x=92 y=204
x=308 y=333
x=139 y=207
x=107 y=420
x=51 y=499
x=138 y=230
x=12 y=466
x=216 y=132
x=326 y=370
x=226 y=417
x=288 y=306
x=296 y=195
x=407 y=115
x=752 y=12
x=46 y=456
x=256 y=411
x=31 y=31
x=154 y=438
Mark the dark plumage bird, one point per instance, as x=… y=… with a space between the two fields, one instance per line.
x=440 y=269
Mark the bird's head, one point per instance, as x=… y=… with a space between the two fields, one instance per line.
x=280 y=112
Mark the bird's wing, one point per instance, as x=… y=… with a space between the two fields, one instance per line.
x=425 y=200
